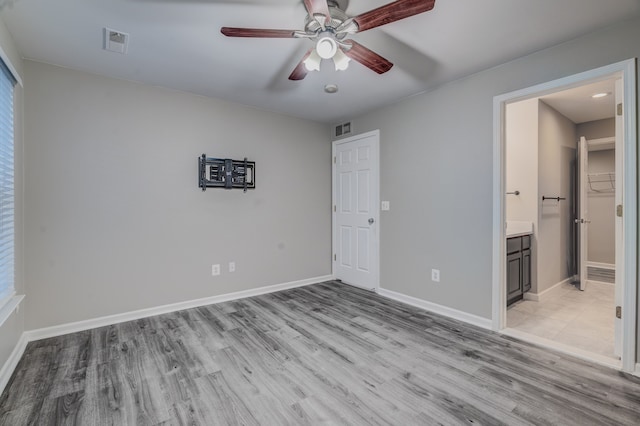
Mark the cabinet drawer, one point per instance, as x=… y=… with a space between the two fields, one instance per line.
x=526 y=242
x=514 y=245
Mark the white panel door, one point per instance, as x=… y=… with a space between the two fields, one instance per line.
x=355 y=216
x=583 y=214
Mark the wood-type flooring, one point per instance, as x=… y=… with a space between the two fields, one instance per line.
x=321 y=354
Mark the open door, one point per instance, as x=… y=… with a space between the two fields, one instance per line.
x=582 y=219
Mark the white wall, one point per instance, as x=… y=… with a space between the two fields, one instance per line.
x=115 y=221
x=521 y=169
x=557 y=151
x=437 y=168
x=13 y=327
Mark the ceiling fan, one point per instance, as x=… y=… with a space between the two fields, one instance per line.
x=329 y=26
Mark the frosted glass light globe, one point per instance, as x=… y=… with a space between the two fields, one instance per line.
x=326 y=47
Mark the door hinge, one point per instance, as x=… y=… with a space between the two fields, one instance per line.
x=335 y=257
x=334 y=159
x=619 y=109
x=619 y=312
x=334 y=209
x=619 y=210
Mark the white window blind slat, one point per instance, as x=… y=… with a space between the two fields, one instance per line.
x=7 y=83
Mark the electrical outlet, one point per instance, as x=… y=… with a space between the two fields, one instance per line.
x=215 y=269
x=435 y=275
x=232 y=266
x=385 y=206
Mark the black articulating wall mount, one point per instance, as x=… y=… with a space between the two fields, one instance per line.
x=226 y=173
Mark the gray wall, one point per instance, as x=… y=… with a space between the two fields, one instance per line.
x=437 y=168
x=115 y=221
x=556 y=154
x=597 y=129
x=602 y=205
x=12 y=329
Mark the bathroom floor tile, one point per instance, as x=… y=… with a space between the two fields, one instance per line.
x=583 y=319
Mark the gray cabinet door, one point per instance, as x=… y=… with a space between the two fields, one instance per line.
x=514 y=277
x=526 y=270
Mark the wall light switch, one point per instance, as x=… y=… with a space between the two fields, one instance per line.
x=385 y=205
x=232 y=266
x=435 y=275
x=215 y=269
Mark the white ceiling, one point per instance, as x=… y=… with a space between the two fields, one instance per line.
x=177 y=44
x=578 y=104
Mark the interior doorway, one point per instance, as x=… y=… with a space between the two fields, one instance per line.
x=356 y=194
x=566 y=308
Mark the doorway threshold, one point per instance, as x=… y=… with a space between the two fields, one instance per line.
x=566 y=349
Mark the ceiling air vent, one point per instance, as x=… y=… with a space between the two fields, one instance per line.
x=343 y=129
x=115 y=41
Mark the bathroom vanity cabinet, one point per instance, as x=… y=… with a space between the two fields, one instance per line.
x=518 y=267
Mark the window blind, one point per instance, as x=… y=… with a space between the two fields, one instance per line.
x=7 y=203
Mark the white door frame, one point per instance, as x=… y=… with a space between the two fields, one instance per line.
x=375 y=257
x=627 y=70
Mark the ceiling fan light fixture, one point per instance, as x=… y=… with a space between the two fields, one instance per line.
x=312 y=63
x=326 y=47
x=341 y=61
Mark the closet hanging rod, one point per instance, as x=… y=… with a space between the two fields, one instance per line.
x=553 y=198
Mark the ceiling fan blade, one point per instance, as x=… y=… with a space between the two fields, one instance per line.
x=368 y=58
x=392 y=12
x=318 y=7
x=257 y=32
x=300 y=71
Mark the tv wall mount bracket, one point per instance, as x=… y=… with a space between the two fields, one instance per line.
x=226 y=173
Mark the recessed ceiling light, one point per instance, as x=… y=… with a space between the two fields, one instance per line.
x=599 y=95
x=331 y=88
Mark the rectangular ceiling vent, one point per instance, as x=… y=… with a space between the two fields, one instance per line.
x=115 y=41
x=343 y=129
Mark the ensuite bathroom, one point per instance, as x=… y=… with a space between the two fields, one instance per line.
x=562 y=231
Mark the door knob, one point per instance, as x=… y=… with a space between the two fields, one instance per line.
x=371 y=221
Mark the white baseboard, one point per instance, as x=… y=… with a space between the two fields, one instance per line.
x=538 y=297
x=59 y=330
x=601 y=265
x=11 y=363
x=438 y=309
x=637 y=372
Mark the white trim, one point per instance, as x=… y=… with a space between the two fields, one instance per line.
x=610 y=266
x=627 y=69
x=630 y=218
x=12 y=69
x=73 y=327
x=561 y=347
x=539 y=297
x=376 y=256
x=637 y=370
x=7 y=309
x=438 y=309
x=10 y=365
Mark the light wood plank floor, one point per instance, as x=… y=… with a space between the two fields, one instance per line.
x=321 y=354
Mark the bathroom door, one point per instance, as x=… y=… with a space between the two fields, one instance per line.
x=583 y=215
